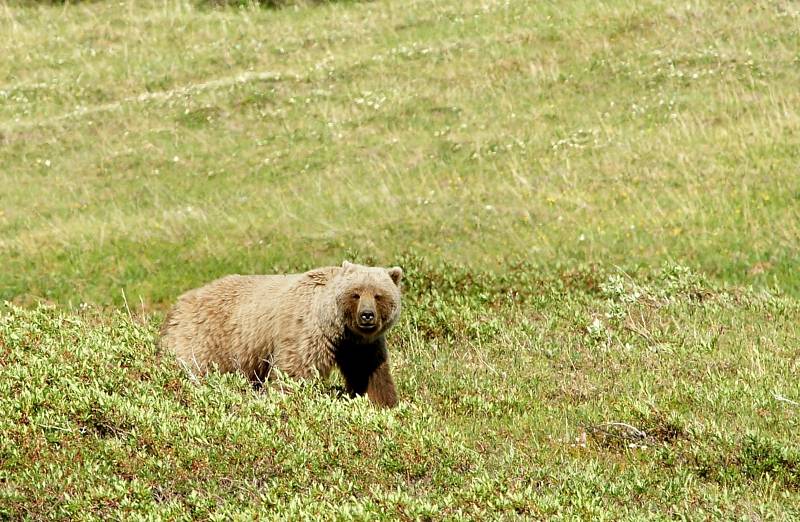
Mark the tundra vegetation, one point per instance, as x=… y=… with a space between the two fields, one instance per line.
x=596 y=206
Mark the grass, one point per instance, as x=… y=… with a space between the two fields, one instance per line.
x=597 y=398
x=596 y=203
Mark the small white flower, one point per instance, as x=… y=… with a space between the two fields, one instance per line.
x=596 y=329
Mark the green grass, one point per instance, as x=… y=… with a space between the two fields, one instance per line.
x=591 y=395
x=597 y=205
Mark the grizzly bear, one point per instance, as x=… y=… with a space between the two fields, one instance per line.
x=301 y=324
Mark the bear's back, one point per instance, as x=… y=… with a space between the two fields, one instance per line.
x=234 y=321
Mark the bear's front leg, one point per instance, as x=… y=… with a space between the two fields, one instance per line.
x=381 y=387
x=365 y=369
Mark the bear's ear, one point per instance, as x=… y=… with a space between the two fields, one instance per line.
x=347 y=265
x=396 y=273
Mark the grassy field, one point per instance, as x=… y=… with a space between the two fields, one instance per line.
x=597 y=206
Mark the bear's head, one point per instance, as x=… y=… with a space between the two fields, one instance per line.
x=368 y=298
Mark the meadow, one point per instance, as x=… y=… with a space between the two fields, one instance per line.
x=596 y=204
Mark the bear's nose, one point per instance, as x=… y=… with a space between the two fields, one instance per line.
x=367 y=316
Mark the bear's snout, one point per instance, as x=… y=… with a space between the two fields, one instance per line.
x=366 y=315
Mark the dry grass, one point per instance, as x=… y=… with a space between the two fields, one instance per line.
x=466 y=132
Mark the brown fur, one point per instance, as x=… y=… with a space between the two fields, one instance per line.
x=302 y=324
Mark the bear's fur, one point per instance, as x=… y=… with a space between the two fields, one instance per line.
x=302 y=324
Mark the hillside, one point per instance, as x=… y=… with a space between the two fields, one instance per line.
x=596 y=204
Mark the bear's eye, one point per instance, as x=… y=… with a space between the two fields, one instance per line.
x=355 y=296
x=378 y=296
